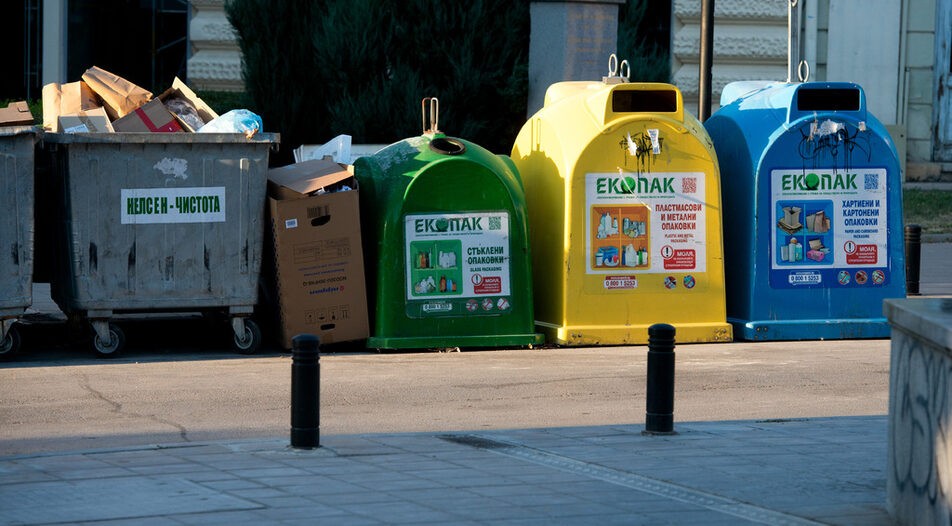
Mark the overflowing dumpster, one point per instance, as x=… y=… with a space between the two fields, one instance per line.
x=623 y=192
x=813 y=223
x=16 y=230
x=158 y=222
x=445 y=243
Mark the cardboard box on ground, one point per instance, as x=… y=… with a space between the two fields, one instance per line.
x=318 y=283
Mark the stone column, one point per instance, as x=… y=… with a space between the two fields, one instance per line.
x=54 y=42
x=569 y=40
x=214 y=61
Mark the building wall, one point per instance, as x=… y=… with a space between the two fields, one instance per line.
x=920 y=79
x=215 y=59
x=750 y=43
x=914 y=116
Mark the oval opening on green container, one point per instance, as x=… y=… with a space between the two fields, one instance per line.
x=447 y=146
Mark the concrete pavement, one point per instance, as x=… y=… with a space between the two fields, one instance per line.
x=798 y=471
x=827 y=471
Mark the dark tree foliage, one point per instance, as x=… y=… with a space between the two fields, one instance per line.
x=644 y=39
x=319 y=68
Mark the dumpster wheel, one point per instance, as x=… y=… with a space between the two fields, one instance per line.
x=10 y=344
x=247 y=335
x=111 y=348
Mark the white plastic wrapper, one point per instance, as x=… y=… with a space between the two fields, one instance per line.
x=235 y=121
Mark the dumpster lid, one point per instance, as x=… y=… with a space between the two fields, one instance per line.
x=298 y=180
x=158 y=138
x=6 y=131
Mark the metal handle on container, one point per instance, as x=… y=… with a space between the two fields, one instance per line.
x=617 y=72
x=434 y=114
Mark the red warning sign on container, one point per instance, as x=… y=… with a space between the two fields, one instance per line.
x=487 y=284
x=863 y=255
x=680 y=259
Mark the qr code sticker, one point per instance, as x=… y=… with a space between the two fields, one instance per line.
x=689 y=185
x=871 y=182
x=495 y=223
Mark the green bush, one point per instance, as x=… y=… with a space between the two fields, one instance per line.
x=644 y=39
x=930 y=209
x=361 y=67
x=224 y=101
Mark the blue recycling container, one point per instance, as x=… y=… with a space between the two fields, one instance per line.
x=812 y=191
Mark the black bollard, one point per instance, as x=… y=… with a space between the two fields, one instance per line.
x=305 y=391
x=659 y=417
x=913 y=252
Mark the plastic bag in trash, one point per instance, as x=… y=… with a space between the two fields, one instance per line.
x=337 y=148
x=235 y=121
x=184 y=110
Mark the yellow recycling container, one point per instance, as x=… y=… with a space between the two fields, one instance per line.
x=623 y=194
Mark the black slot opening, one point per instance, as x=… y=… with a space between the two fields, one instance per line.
x=447 y=146
x=653 y=101
x=836 y=99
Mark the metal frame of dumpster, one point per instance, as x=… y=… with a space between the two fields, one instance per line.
x=158 y=222
x=813 y=224
x=623 y=192
x=16 y=230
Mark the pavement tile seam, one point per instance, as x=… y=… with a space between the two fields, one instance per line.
x=645 y=484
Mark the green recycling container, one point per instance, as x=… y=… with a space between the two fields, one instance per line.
x=446 y=246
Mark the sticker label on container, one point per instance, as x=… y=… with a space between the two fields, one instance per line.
x=172 y=205
x=828 y=227
x=457 y=264
x=620 y=282
x=644 y=223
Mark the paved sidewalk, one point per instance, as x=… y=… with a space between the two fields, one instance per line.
x=809 y=471
x=827 y=471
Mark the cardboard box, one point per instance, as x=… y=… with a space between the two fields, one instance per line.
x=319 y=282
x=16 y=114
x=180 y=91
x=65 y=99
x=91 y=121
x=150 y=117
x=119 y=96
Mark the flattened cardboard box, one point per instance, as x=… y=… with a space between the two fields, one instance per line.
x=90 y=121
x=319 y=264
x=16 y=114
x=65 y=99
x=150 y=117
x=192 y=121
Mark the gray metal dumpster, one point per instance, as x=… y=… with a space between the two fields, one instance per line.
x=158 y=222
x=16 y=230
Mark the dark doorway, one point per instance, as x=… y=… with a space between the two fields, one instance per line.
x=142 y=41
x=20 y=38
